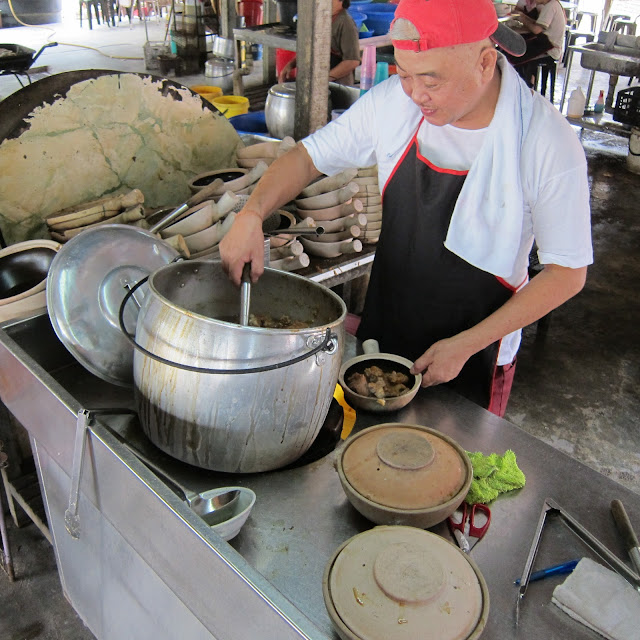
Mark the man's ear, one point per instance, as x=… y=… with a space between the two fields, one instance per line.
x=487 y=62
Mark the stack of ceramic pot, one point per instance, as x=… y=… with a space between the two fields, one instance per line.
x=330 y=202
x=286 y=252
x=369 y=195
x=125 y=208
x=249 y=156
x=202 y=227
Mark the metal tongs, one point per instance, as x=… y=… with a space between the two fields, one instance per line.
x=551 y=506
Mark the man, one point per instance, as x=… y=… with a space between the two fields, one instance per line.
x=345 y=47
x=544 y=32
x=474 y=166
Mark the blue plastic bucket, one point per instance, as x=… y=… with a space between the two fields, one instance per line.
x=358 y=17
x=252 y=122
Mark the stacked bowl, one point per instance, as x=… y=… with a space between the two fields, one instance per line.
x=369 y=195
x=331 y=204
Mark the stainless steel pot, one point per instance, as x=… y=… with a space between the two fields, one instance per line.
x=280 y=109
x=234 y=422
x=223 y=47
x=220 y=71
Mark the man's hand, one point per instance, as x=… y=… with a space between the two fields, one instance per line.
x=442 y=361
x=243 y=243
x=553 y=286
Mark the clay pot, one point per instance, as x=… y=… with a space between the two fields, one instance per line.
x=331 y=249
x=332 y=213
x=330 y=199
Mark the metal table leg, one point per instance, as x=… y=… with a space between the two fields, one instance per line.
x=7 y=562
x=566 y=76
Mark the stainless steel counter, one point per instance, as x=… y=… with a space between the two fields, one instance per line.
x=144 y=552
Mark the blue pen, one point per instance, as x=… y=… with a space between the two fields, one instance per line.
x=565 y=567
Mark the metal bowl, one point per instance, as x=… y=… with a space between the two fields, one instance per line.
x=242 y=508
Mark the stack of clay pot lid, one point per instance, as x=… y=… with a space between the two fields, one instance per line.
x=369 y=195
x=403 y=583
x=249 y=156
x=330 y=202
x=406 y=474
x=125 y=208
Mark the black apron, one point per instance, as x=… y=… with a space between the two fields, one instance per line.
x=420 y=292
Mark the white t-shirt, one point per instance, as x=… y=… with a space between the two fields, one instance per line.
x=552 y=19
x=378 y=127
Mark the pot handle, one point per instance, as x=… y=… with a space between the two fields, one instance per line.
x=328 y=344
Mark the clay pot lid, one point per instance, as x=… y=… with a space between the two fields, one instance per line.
x=404 y=466
x=402 y=582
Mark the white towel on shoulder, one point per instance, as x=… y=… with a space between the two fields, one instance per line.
x=486 y=224
x=601 y=600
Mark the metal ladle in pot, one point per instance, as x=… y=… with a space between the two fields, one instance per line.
x=245 y=294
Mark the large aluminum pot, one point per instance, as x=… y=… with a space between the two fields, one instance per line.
x=234 y=422
x=280 y=109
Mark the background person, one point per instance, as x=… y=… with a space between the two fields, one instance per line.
x=544 y=36
x=345 y=47
x=474 y=166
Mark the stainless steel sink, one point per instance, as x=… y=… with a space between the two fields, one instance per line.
x=618 y=60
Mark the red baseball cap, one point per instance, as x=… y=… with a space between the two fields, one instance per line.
x=446 y=23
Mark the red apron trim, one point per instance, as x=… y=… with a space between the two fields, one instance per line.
x=404 y=155
x=435 y=167
x=504 y=283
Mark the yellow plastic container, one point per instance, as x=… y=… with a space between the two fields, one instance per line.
x=231 y=106
x=208 y=92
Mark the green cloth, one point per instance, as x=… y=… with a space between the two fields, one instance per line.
x=492 y=475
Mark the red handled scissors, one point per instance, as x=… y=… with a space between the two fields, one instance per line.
x=477 y=517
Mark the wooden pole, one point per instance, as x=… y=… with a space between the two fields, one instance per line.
x=313 y=55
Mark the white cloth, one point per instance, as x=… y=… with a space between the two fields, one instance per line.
x=551 y=169
x=601 y=600
x=486 y=225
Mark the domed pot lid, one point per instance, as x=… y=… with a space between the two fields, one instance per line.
x=283 y=90
x=404 y=466
x=395 y=582
x=86 y=285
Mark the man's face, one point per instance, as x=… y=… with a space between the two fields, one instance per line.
x=448 y=83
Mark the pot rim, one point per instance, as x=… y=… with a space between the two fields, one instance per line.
x=261 y=330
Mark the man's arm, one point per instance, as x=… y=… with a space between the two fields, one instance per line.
x=343 y=68
x=530 y=24
x=550 y=288
x=282 y=182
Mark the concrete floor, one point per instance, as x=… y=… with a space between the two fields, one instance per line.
x=576 y=386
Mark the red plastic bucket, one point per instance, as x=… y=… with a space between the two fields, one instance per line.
x=251 y=10
x=282 y=57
